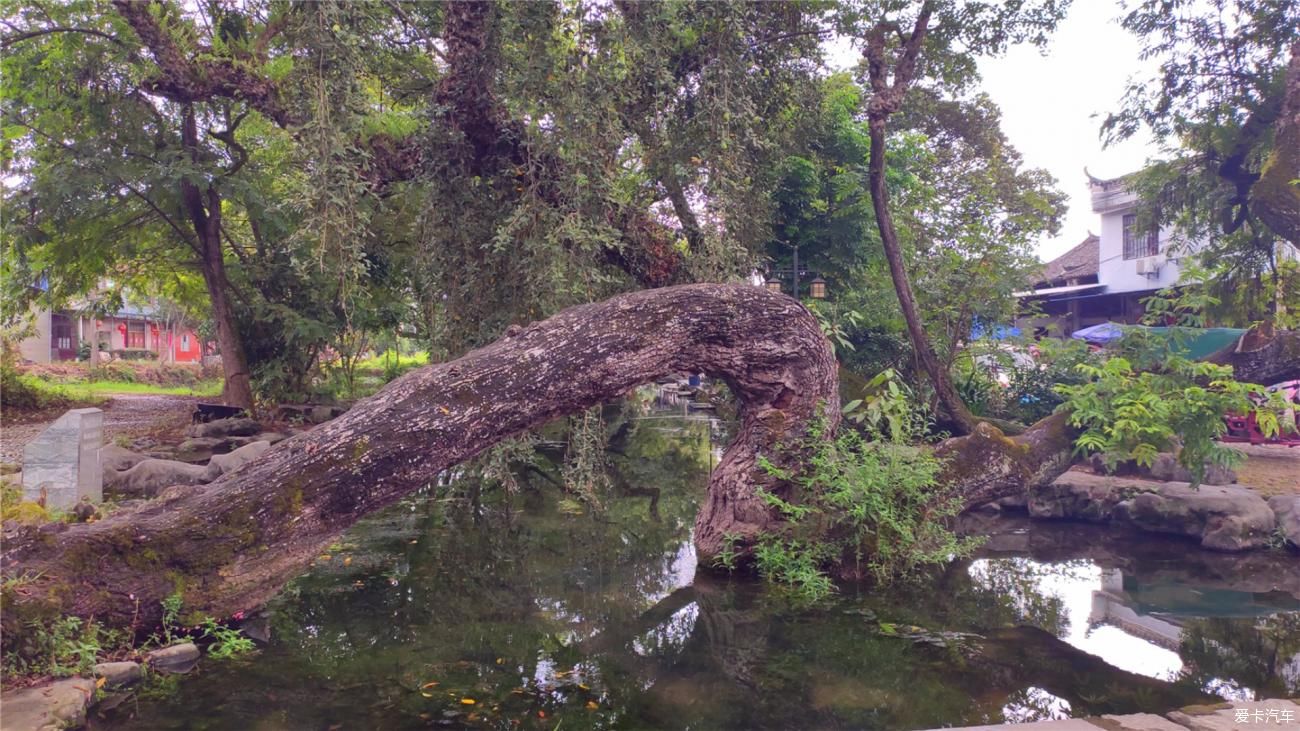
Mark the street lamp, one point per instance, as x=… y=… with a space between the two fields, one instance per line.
x=817 y=288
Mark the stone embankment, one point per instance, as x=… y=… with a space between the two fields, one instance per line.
x=63 y=704
x=1219 y=517
x=1268 y=715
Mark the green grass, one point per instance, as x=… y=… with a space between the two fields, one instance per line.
x=96 y=390
x=382 y=361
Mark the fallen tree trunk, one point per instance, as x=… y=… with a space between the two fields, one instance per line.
x=1263 y=357
x=231 y=544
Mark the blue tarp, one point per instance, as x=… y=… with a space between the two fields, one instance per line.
x=1195 y=343
x=1103 y=334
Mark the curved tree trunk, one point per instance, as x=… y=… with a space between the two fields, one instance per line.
x=230 y=545
x=1263 y=358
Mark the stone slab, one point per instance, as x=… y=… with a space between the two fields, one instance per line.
x=1069 y=724
x=63 y=461
x=1140 y=722
x=59 y=705
x=1274 y=714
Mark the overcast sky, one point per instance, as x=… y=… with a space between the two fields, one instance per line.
x=1054 y=100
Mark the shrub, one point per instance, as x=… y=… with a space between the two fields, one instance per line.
x=878 y=505
x=22 y=393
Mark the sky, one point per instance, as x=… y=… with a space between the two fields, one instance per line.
x=1053 y=102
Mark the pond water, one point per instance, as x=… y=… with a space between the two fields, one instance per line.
x=528 y=612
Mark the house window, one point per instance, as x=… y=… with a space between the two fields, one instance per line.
x=185 y=343
x=135 y=335
x=1139 y=243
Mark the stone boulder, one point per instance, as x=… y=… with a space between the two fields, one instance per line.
x=223 y=463
x=118 y=458
x=59 y=705
x=1223 y=518
x=1078 y=496
x=118 y=674
x=152 y=476
x=1287 y=510
x=174 y=659
x=197 y=450
x=1165 y=468
x=238 y=427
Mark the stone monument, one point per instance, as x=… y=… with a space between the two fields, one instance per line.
x=62 y=464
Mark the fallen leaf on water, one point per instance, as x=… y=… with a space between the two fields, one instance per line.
x=500 y=660
x=592 y=705
x=541 y=714
x=467 y=701
x=429 y=684
x=347 y=561
x=100 y=683
x=584 y=687
x=324 y=557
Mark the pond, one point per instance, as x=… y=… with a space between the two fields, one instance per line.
x=528 y=611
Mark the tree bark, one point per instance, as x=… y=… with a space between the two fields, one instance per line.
x=1275 y=197
x=203 y=207
x=886 y=97
x=1263 y=359
x=231 y=544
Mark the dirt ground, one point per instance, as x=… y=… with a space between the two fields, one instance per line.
x=1271 y=470
x=125 y=415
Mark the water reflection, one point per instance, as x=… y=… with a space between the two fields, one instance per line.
x=468 y=609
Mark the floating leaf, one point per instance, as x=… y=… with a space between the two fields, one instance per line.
x=592 y=705
x=467 y=701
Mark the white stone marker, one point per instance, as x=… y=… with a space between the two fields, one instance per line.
x=63 y=462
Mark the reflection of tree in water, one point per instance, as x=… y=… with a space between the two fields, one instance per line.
x=1259 y=657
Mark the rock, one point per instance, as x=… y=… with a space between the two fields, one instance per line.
x=1078 y=496
x=223 y=463
x=118 y=674
x=274 y=437
x=175 y=659
x=238 y=427
x=1216 y=718
x=9 y=468
x=1287 y=510
x=59 y=705
x=151 y=476
x=1165 y=468
x=320 y=414
x=1141 y=722
x=1223 y=518
x=197 y=450
x=113 y=457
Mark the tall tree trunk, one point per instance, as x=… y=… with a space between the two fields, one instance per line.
x=203 y=207
x=231 y=544
x=939 y=376
x=890 y=72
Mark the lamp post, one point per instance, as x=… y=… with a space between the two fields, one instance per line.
x=816 y=288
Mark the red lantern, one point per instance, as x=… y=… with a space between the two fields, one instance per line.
x=121 y=327
x=153 y=328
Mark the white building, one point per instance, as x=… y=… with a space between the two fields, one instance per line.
x=1106 y=277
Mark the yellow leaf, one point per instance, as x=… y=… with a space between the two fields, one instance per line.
x=347 y=561
x=324 y=557
x=592 y=705
x=467 y=701
x=444 y=409
x=100 y=683
x=500 y=660
x=429 y=684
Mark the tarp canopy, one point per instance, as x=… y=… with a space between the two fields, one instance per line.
x=1197 y=342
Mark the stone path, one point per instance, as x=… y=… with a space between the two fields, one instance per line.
x=1268 y=715
x=59 y=705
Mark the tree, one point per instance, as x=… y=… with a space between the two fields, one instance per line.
x=231 y=544
x=907 y=43
x=1224 y=106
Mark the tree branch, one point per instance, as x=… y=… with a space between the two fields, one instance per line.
x=8 y=41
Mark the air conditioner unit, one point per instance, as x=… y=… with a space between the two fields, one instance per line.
x=1148 y=267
